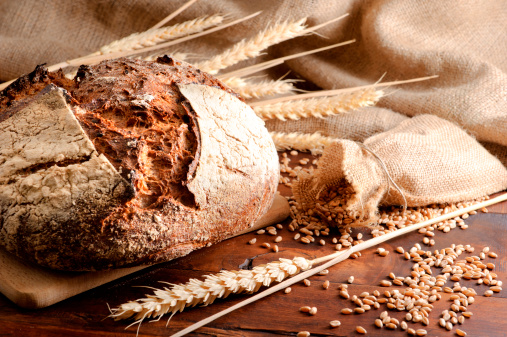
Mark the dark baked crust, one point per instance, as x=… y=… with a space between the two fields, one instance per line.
x=135 y=115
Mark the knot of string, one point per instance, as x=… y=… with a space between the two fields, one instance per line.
x=386 y=172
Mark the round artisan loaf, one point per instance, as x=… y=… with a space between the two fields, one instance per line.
x=131 y=162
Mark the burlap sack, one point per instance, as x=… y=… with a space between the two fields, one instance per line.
x=421 y=161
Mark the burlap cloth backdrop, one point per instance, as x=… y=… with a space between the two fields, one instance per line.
x=464 y=42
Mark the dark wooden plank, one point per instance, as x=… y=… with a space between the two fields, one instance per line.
x=277 y=314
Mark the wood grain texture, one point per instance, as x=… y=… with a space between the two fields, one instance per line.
x=278 y=314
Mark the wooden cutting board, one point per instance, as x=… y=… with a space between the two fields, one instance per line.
x=31 y=286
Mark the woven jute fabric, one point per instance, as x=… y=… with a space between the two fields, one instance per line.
x=463 y=42
x=423 y=160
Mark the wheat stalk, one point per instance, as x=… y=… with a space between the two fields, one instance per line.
x=340 y=256
x=315 y=143
x=246 y=49
x=173 y=14
x=249 y=89
x=319 y=107
x=152 y=37
x=197 y=292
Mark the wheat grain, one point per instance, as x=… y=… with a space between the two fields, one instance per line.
x=221 y=285
x=249 y=89
x=155 y=36
x=246 y=49
x=315 y=143
x=318 y=107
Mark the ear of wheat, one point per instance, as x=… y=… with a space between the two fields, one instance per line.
x=315 y=143
x=319 y=107
x=249 y=89
x=253 y=47
x=221 y=285
x=152 y=37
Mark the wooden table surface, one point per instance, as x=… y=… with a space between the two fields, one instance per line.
x=278 y=314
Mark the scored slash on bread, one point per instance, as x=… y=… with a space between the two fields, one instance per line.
x=132 y=162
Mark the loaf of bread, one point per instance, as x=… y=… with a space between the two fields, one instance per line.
x=131 y=162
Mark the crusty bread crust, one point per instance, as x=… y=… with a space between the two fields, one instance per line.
x=131 y=163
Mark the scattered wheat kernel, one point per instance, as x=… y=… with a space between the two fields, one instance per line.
x=385 y=283
x=488 y=293
x=305 y=240
x=351 y=279
x=461 y=319
x=266 y=245
x=344 y=294
x=305 y=309
x=421 y=332
x=275 y=248
x=297 y=236
x=347 y=311
x=441 y=322
x=378 y=323
x=287 y=290
x=278 y=239
x=335 y=323
x=384 y=314
x=400 y=250
x=376 y=293
x=324 y=272
x=303 y=334
x=307 y=282
x=495 y=289
x=261 y=231
x=313 y=311
x=448 y=326
x=325 y=285
x=391 y=326
x=398 y=282
x=251 y=242
x=384 y=253
x=492 y=255
x=490 y=266
x=279 y=226
x=404 y=325
x=360 y=330
x=467 y=314
x=460 y=332
x=272 y=232
x=411 y=331
x=322 y=242
x=359 y=310
x=294 y=153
